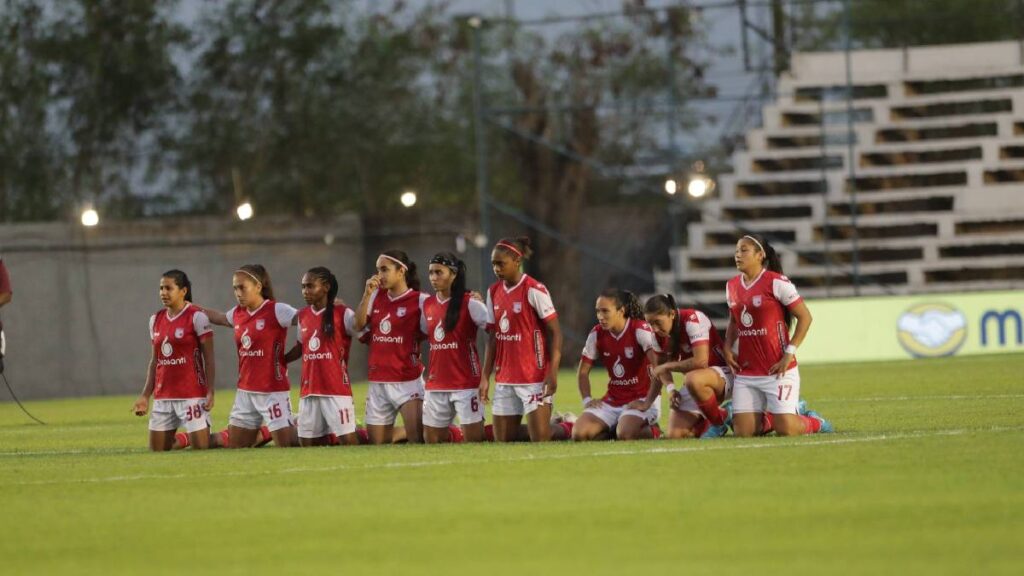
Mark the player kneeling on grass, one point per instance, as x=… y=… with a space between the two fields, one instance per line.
x=627 y=347
x=693 y=347
x=261 y=328
x=181 y=369
x=326 y=328
x=762 y=305
x=450 y=320
x=524 y=349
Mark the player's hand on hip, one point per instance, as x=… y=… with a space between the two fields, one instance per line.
x=730 y=359
x=640 y=405
x=675 y=400
x=780 y=367
x=209 y=401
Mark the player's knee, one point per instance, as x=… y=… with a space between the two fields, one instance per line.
x=743 y=430
x=692 y=385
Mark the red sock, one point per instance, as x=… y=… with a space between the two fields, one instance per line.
x=811 y=425
x=265 y=433
x=701 y=427
x=712 y=411
x=489 y=432
x=455 y=434
x=567 y=426
x=767 y=424
x=224 y=438
x=332 y=440
x=656 y=431
x=182 y=439
x=364 y=437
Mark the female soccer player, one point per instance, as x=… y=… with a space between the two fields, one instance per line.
x=390 y=308
x=524 y=349
x=450 y=321
x=261 y=328
x=326 y=411
x=694 y=348
x=627 y=347
x=762 y=303
x=181 y=368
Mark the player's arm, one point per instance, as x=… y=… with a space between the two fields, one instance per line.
x=583 y=381
x=700 y=358
x=294 y=354
x=730 y=341
x=5 y=298
x=485 y=377
x=206 y=349
x=216 y=317
x=656 y=381
x=141 y=405
x=802 y=314
x=555 y=353
x=372 y=284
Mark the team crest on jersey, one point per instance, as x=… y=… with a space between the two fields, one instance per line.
x=757 y=300
x=179 y=333
x=260 y=324
x=517 y=307
x=628 y=351
x=401 y=312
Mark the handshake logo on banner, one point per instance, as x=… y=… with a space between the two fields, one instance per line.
x=931 y=330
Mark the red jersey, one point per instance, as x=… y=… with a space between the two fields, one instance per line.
x=516 y=315
x=624 y=355
x=697 y=331
x=325 y=360
x=180 y=371
x=454 y=363
x=260 y=337
x=394 y=335
x=758 y=312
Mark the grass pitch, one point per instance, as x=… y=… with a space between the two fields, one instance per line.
x=924 y=476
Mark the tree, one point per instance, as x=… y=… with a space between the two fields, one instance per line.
x=310 y=107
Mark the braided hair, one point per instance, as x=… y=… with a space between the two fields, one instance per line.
x=324 y=275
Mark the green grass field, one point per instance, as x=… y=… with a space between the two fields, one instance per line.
x=925 y=476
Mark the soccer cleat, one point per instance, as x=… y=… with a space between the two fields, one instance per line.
x=719 y=431
x=801 y=408
x=826 y=426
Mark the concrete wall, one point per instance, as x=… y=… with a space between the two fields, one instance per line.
x=83 y=297
x=77 y=325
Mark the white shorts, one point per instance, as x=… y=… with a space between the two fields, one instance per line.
x=323 y=415
x=767 y=393
x=440 y=408
x=168 y=415
x=252 y=409
x=518 y=399
x=610 y=414
x=384 y=400
x=689 y=403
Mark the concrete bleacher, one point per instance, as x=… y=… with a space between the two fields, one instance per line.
x=938 y=171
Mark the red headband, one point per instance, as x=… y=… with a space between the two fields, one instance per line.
x=510 y=248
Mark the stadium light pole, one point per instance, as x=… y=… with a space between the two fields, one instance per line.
x=482 y=180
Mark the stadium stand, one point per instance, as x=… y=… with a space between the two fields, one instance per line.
x=939 y=177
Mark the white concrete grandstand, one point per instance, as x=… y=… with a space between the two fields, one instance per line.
x=938 y=170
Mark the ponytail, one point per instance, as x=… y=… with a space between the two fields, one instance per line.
x=664 y=305
x=773 y=262
x=325 y=276
x=520 y=247
x=626 y=300
x=259 y=274
x=458 y=290
x=181 y=281
x=412 y=279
